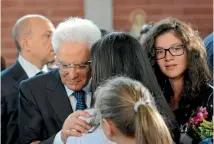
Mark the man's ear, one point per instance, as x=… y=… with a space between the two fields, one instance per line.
x=109 y=129
x=25 y=43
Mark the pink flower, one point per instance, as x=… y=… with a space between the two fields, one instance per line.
x=201 y=109
x=204 y=110
x=205 y=115
x=196 y=120
x=200 y=116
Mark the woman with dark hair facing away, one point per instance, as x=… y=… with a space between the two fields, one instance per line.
x=120 y=54
x=178 y=57
x=128 y=113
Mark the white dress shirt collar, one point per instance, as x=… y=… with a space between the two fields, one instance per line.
x=30 y=69
x=73 y=100
x=69 y=92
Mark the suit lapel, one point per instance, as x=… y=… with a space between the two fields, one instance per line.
x=57 y=96
x=18 y=74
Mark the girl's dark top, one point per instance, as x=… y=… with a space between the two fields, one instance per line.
x=187 y=106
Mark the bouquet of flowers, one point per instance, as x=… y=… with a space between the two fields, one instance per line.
x=198 y=128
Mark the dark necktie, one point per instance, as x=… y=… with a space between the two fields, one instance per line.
x=39 y=73
x=80 y=97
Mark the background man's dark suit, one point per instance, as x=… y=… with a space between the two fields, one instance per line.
x=43 y=107
x=10 y=80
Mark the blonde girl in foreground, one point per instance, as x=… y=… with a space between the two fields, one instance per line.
x=128 y=113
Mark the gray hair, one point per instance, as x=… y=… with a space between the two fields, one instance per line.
x=76 y=30
x=23 y=27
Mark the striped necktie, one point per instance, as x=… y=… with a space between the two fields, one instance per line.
x=80 y=97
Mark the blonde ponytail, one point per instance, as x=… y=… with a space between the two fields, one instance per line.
x=150 y=127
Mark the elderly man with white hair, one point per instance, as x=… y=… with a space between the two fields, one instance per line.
x=49 y=103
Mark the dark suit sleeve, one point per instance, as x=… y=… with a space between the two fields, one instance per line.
x=48 y=141
x=3 y=120
x=9 y=115
x=29 y=119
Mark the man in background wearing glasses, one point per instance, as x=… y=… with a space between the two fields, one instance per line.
x=48 y=99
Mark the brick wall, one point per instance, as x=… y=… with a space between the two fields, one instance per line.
x=11 y=10
x=197 y=12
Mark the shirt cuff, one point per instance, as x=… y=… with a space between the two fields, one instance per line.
x=57 y=139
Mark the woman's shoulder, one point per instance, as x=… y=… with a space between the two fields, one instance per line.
x=96 y=137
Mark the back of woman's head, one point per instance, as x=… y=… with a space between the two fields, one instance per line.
x=120 y=54
x=130 y=106
x=197 y=73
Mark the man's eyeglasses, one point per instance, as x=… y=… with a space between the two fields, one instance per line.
x=81 y=66
x=175 y=50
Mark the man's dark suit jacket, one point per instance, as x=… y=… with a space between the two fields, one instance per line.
x=10 y=80
x=43 y=108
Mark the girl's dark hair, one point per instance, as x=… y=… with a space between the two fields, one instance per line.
x=120 y=54
x=197 y=73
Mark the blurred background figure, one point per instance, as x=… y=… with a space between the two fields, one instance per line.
x=137 y=18
x=145 y=28
x=3 y=63
x=208 y=42
x=128 y=113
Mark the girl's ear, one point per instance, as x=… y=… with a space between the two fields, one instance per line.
x=108 y=128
